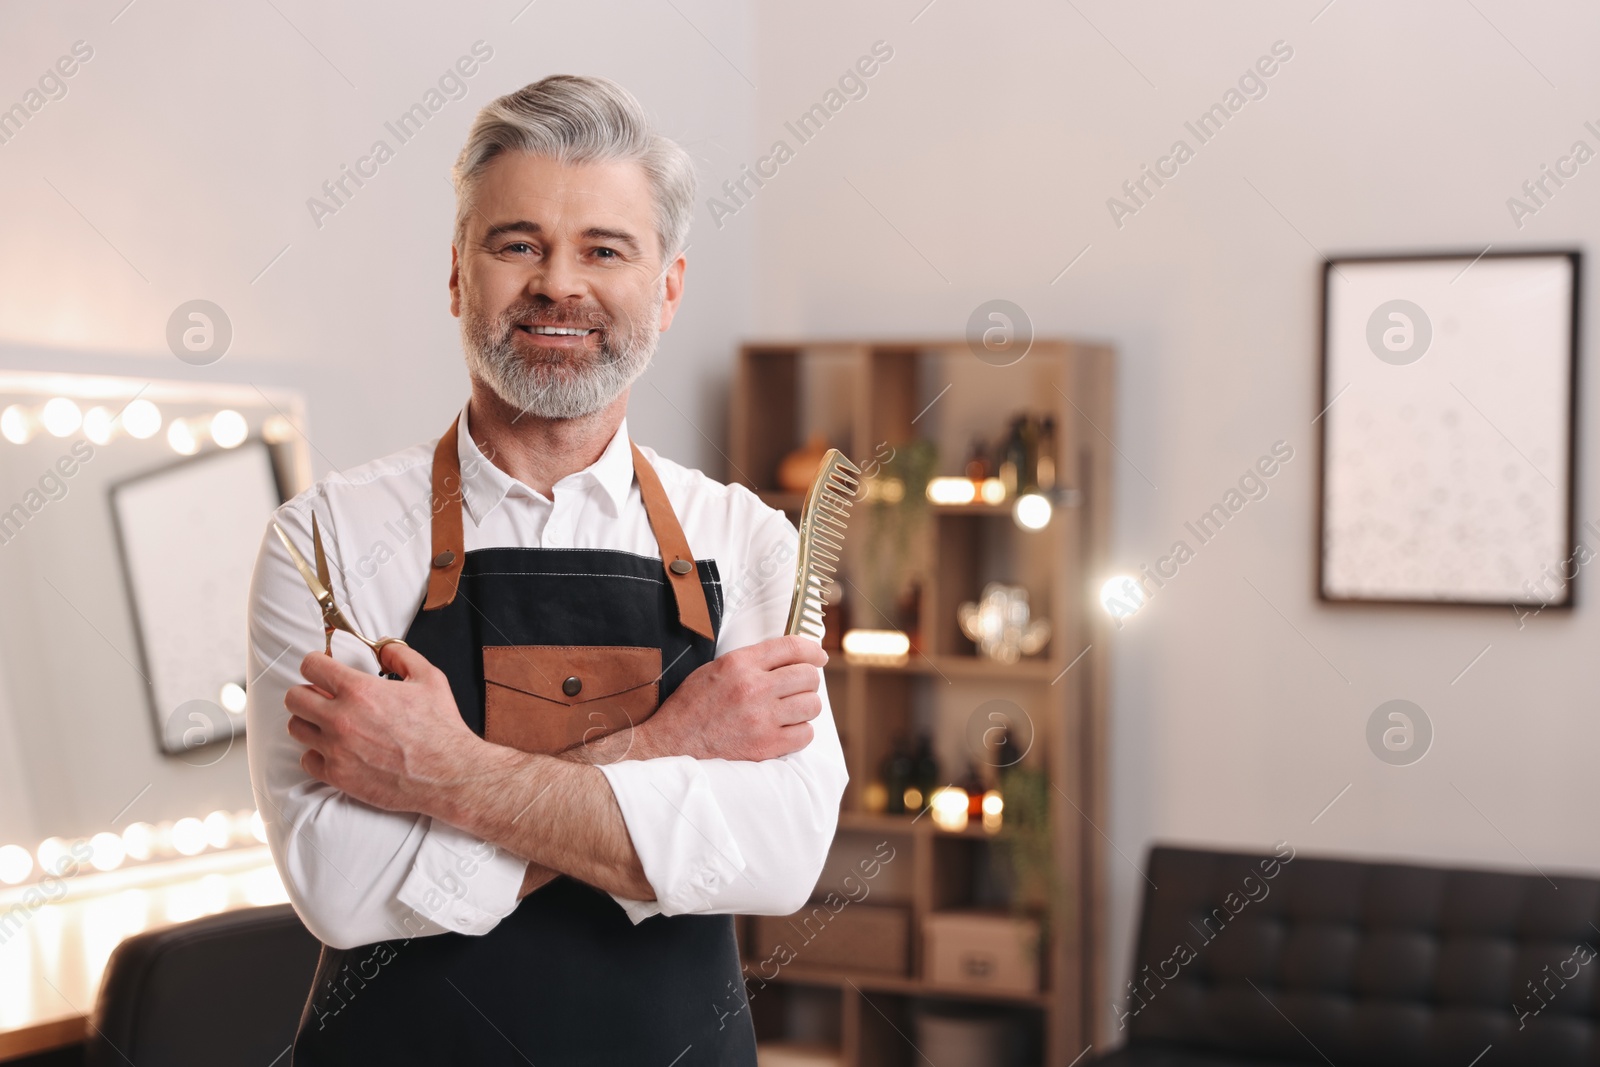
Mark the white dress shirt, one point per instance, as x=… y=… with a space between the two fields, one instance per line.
x=712 y=835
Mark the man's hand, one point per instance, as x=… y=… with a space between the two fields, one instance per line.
x=755 y=703
x=392 y=744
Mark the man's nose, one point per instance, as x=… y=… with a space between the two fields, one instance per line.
x=558 y=278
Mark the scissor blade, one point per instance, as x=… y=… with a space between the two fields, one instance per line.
x=322 y=556
x=318 y=590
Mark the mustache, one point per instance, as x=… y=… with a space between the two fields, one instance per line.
x=537 y=315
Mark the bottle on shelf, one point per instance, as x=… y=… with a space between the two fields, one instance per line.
x=924 y=773
x=1046 y=467
x=977 y=467
x=1013 y=458
x=1028 y=454
x=975 y=787
x=897 y=774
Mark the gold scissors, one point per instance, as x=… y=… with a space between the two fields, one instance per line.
x=321 y=586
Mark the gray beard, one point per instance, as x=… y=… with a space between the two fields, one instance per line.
x=549 y=386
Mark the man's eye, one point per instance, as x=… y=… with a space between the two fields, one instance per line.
x=518 y=246
x=609 y=253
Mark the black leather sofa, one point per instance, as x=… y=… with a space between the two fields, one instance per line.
x=1266 y=960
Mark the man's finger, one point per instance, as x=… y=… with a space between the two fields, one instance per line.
x=794 y=678
x=780 y=651
x=796 y=737
x=326 y=673
x=402 y=659
x=309 y=703
x=800 y=708
x=304 y=731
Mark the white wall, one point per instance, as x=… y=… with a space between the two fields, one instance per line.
x=990 y=144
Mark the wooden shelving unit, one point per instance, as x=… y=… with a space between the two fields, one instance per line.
x=861 y=396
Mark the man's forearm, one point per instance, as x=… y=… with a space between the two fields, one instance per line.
x=623 y=744
x=554 y=812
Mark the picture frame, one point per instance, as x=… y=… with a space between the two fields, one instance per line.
x=1447 y=422
x=188 y=534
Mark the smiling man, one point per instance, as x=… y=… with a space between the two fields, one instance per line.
x=527 y=847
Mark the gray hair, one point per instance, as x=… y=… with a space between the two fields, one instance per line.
x=579 y=119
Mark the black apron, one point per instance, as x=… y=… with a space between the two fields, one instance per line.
x=567 y=978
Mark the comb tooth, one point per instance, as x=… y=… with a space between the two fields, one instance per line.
x=846 y=486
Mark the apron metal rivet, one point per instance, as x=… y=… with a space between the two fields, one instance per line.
x=444 y=559
x=572 y=686
x=680 y=566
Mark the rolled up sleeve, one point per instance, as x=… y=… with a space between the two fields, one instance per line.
x=735 y=836
x=355 y=874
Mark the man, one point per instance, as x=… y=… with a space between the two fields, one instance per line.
x=528 y=845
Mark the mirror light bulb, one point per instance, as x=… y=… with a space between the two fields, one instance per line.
x=61 y=417
x=15 y=425
x=189 y=836
x=141 y=419
x=16 y=863
x=228 y=428
x=106 y=851
x=97 y=425
x=181 y=437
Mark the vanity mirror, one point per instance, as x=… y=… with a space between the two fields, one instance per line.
x=131 y=512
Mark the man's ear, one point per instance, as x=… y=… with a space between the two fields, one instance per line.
x=674 y=294
x=455 y=283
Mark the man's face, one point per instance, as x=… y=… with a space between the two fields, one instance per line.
x=559 y=283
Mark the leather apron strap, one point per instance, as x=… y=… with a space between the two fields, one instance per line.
x=449 y=540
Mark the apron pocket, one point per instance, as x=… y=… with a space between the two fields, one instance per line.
x=545 y=698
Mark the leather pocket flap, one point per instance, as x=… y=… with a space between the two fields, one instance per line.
x=545 y=698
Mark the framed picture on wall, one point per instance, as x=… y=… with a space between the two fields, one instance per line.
x=1447 y=418
x=189 y=533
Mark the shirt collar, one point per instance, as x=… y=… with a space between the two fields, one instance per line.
x=484 y=485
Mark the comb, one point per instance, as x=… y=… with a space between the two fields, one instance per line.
x=822 y=522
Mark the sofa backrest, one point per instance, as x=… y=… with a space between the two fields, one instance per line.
x=1327 y=960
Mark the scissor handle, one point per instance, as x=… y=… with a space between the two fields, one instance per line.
x=377 y=650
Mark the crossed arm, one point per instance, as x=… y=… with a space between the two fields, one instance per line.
x=402 y=746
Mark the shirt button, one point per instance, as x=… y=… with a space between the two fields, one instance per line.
x=461 y=920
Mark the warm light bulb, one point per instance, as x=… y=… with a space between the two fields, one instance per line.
x=106 y=851
x=51 y=851
x=232 y=697
x=97 y=425
x=993 y=806
x=61 y=417
x=141 y=419
x=912 y=798
x=180 y=435
x=258 y=827
x=1032 y=511
x=952 y=491
x=229 y=429
x=139 y=840
x=16 y=863
x=276 y=430
x=992 y=491
x=219 y=829
x=16 y=425
x=1121 y=596
x=877 y=646
x=949 y=807
x=189 y=836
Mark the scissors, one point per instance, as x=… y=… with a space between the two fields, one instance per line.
x=321 y=586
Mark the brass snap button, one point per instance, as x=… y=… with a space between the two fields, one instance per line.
x=572 y=686
x=680 y=566
x=444 y=559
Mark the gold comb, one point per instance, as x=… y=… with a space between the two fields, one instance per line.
x=822 y=522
